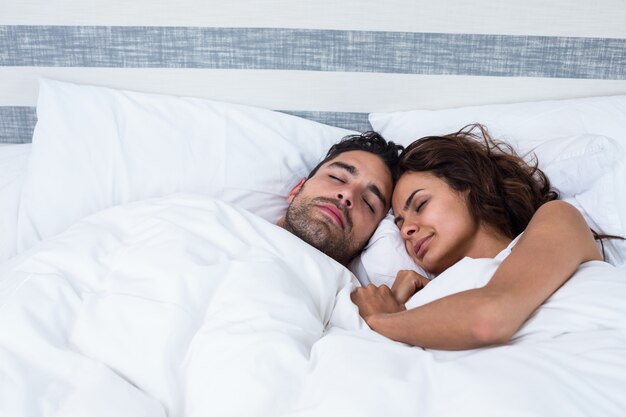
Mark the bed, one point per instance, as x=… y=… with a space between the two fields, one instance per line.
x=146 y=152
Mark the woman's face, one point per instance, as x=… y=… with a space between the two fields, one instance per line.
x=434 y=221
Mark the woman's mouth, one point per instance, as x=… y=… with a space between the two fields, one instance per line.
x=420 y=247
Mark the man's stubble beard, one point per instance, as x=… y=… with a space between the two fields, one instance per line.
x=301 y=220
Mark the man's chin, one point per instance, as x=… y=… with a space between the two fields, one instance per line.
x=321 y=235
x=319 y=231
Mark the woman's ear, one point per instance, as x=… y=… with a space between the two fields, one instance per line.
x=295 y=190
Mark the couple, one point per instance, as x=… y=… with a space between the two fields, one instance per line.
x=455 y=196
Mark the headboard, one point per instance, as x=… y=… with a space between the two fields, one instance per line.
x=330 y=61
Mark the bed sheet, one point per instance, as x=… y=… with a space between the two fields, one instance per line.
x=13 y=161
x=187 y=306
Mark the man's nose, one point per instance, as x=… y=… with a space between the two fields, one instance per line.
x=345 y=198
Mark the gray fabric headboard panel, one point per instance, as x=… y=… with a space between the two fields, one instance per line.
x=335 y=75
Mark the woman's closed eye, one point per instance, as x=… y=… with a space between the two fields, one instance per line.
x=420 y=205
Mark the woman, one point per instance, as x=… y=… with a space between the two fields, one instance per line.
x=464 y=195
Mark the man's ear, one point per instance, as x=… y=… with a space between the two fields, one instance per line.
x=295 y=190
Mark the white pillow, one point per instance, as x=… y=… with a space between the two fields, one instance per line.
x=96 y=147
x=581 y=167
x=604 y=208
x=519 y=122
x=13 y=159
x=578 y=144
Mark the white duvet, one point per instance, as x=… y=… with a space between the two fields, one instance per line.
x=186 y=306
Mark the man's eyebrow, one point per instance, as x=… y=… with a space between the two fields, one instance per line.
x=376 y=191
x=350 y=168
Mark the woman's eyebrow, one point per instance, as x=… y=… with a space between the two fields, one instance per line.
x=410 y=199
x=407 y=204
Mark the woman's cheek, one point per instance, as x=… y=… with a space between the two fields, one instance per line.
x=409 y=250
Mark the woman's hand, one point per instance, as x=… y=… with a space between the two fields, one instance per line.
x=373 y=300
x=406 y=284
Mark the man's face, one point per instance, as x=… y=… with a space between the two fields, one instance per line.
x=338 y=209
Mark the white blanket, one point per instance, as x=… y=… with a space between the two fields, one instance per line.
x=186 y=306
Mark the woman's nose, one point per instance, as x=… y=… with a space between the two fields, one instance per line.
x=407 y=230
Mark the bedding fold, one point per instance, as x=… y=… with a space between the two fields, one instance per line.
x=188 y=306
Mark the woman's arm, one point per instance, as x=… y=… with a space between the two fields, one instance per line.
x=556 y=241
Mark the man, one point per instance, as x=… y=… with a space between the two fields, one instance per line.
x=338 y=207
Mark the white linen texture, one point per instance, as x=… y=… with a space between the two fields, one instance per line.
x=188 y=306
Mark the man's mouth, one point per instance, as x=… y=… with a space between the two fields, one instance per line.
x=420 y=247
x=334 y=213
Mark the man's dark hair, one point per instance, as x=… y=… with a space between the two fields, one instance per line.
x=371 y=142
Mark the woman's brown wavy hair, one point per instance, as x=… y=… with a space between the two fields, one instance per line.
x=503 y=190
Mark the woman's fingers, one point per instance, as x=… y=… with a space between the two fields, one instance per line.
x=406 y=284
x=375 y=300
